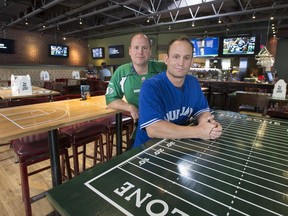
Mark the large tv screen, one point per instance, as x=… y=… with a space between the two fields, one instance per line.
x=58 y=50
x=239 y=46
x=7 y=46
x=116 y=51
x=98 y=53
x=205 y=47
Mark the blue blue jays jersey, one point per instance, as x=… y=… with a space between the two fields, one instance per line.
x=160 y=100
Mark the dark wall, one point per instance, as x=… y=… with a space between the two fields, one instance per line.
x=281 y=62
x=32 y=49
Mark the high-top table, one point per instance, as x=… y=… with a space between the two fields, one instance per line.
x=6 y=93
x=16 y=122
x=244 y=172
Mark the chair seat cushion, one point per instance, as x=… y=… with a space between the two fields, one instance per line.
x=110 y=121
x=83 y=132
x=37 y=145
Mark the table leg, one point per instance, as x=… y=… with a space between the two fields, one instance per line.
x=54 y=157
x=119 y=133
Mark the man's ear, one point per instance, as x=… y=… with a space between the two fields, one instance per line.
x=166 y=58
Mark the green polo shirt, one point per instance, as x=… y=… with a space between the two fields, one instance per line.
x=126 y=82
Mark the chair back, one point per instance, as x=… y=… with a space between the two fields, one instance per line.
x=258 y=101
x=63 y=87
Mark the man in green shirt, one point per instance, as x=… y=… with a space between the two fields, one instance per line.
x=128 y=78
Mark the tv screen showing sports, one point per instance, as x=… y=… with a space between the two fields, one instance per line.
x=205 y=47
x=116 y=51
x=58 y=50
x=98 y=53
x=7 y=46
x=244 y=46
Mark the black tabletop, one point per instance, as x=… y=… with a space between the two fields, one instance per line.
x=244 y=172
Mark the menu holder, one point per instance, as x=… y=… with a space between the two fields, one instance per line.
x=44 y=75
x=21 y=85
x=279 y=90
x=75 y=75
x=85 y=92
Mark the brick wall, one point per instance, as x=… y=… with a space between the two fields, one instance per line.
x=32 y=49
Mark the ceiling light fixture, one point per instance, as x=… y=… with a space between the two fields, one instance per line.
x=64 y=38
x=44 y=26
x=26 y=22
x=219 y=21
x=271 y=18
x=253 y=16
x=193 y=24
x=80 y=21
x=169 y=27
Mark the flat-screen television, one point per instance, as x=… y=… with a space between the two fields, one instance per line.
x=7 y=46
x=205 y=47
x=98 y=52
x=58 y=50
x=116 y=51
x=239 y=46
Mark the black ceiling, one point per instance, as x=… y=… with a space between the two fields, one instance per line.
x=103 y=18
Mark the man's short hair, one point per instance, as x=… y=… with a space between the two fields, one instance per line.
x=182 y=38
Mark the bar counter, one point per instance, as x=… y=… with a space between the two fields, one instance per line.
x=231 y=86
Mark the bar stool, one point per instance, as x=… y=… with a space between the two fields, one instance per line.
x=34 y=149
x=82 y=134
x=110 y=131
x=218 y=96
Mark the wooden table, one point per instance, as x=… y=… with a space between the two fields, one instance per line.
x=244 y=172
x=16 y=122
x=6 y=93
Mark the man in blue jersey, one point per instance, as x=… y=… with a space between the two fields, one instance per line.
x=170 y=99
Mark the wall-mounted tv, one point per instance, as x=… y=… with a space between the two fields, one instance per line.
x=239 y=46
x=205 y=47
x=7 y=46
x=116 y=51
x=98 y=52
x=58 y=50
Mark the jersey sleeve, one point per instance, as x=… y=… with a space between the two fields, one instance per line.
x=114 y=91
x=150 y=105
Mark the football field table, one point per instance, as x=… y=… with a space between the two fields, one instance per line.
x=244 y=172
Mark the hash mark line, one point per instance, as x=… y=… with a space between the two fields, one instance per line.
x=228 y=167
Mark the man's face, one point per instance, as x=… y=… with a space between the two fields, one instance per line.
x=139 y=50
x=179 y=59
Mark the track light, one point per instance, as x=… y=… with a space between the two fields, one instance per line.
x=253 y=16
x=26 y=22
x=64 y=38
x=80 y=21
x=219 y=21
x=193 y=24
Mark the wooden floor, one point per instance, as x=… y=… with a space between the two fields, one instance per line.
x=10 y=186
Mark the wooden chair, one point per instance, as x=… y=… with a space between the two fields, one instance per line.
x=64 y=86
x=252 y=103
x=97 y=87
x=48 y=85
x=34 y=149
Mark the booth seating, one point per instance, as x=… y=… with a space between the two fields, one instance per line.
x=34 y=149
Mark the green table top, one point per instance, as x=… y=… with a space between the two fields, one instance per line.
x=244 y=172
